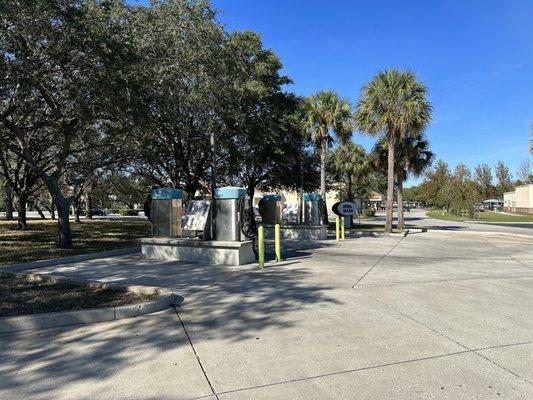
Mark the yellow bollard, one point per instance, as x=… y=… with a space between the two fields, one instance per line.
x=337 y=228
x=277 y=242
x=261 y=246
x=342 y=229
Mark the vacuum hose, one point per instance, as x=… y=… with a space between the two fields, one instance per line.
x=324 y=211
x=247 y=222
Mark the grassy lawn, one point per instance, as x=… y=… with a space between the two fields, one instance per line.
x=19 y=296
x=39 y=241
x=487 y=216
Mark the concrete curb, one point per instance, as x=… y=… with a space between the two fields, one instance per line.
x=71 y=259
x=499 y=222
x=479 y=233
x=165 y=299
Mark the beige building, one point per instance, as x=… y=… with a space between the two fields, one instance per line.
x=519 y=201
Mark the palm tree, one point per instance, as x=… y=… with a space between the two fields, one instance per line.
x=324 y=113
x=412 y=157
x=392 y=104
x=349 y=164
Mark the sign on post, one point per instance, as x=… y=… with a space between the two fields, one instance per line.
x=344 y=208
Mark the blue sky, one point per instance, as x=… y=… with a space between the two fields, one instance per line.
x=476 y=57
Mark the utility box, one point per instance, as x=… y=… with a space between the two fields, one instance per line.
x=270 y=209
x=227 y=210
x=166 y=212
x=313 y=209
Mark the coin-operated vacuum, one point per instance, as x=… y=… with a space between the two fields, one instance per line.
x=164 y=212
x=227 y=213
x=270 y=207
x=233 y=242
x=234 y=215
x=315 y=212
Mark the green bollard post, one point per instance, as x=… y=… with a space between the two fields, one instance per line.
x=342 y=229
x=337 y=228
x=261 y=246
x=277 y=242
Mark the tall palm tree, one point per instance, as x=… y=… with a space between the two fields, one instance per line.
x=323 y=114
x=392 y=104
x=412 y=157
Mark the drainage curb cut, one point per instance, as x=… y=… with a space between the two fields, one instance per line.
x=71 y=259
x=89 y=315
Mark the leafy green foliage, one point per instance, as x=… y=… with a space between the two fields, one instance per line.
x=393 y=104
x=349 y=166
x=322 y=114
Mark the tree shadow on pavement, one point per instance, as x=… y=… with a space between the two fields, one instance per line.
x=85 y=361
x=262 y=300
x=43 y=364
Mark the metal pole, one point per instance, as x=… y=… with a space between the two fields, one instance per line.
x=342 y=228
x=277 y=242
x=337 y=228
x=261 y=246
x=213 y=183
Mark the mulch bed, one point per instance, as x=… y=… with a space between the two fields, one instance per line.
x=19 y=296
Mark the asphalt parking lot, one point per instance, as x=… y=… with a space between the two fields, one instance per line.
x=428 y=316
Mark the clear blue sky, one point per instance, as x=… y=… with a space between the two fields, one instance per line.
x=476 y=57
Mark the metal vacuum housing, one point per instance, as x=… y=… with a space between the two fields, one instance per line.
x=166 y=212
x=312 y=209
x=270 y=209
x=227 y=218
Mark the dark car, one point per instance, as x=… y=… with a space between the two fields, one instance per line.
x=98 y=212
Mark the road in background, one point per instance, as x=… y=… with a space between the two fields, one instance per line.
x=417 y=218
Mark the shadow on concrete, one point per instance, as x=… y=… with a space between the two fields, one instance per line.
x=40 y=364
x=263 y=300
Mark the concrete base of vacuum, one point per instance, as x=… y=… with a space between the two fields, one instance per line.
x=306 y=232
x=195 y=250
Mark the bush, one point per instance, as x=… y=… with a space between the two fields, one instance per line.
x=369 y=212
x=128 y=212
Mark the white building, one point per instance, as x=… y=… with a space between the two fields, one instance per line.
x=519 y=201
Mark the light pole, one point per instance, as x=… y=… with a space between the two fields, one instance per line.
x=213 y=182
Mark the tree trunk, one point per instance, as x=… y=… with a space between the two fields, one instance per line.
x=390 y=182
x=41 y=214
x=62 y=204
x=350 y=195
x=9 y=202
x=21 y=212
x=88 y=206
x=323 y=148
x=52 y=210
x=400 y=205
x=77 y=210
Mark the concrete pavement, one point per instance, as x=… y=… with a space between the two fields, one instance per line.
x=417 y=218
x=429 y=316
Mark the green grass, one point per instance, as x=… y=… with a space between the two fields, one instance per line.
x=486 y=216
x=20 y=296
x=39 y=241
x=438 y=214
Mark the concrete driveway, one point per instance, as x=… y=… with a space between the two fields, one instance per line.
x=418 y=219
x=428 y=316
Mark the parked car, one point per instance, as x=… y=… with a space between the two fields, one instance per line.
x=98 y=212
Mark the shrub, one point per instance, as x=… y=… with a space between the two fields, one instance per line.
x=369 y=212
x=128 y=212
